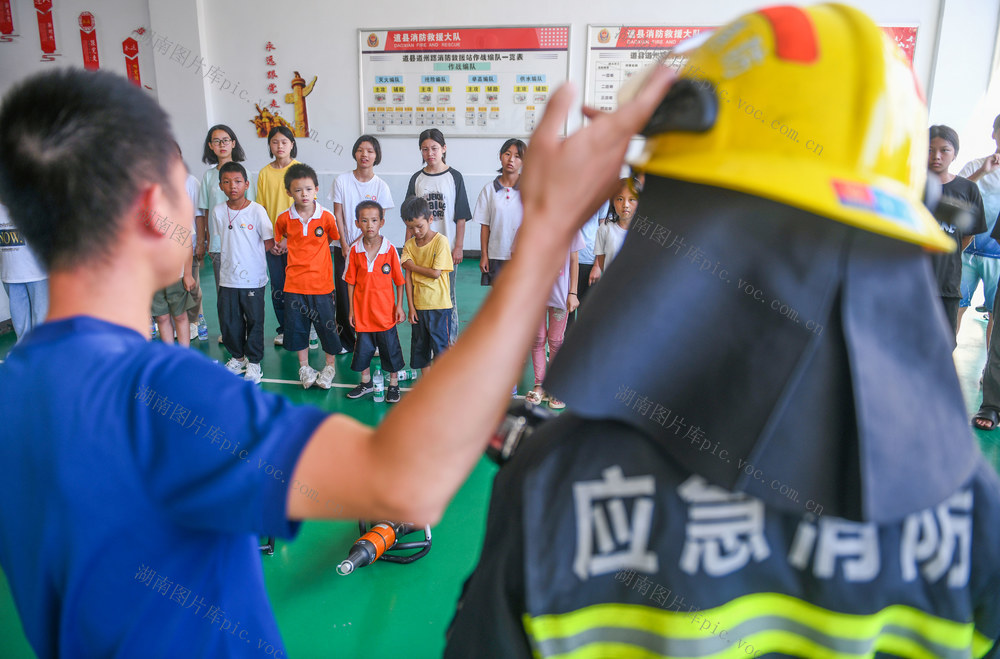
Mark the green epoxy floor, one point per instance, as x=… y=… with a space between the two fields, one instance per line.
x=386 y=609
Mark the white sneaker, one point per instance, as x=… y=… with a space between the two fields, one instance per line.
x=193 y=330
x=325 y=379
x=236 y=365
x=307 y=376
x=313 y=339
x=253 y=373
x=220 y=338
x=279 y=339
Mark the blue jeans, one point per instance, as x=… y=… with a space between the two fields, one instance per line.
x=430 y=336
x=28 y=305
x=976 y=267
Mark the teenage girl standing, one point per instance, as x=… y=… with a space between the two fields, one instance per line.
x=349 y=190
x=562 y=301
x=272 y=195
x=499 y=212
x=444 y=189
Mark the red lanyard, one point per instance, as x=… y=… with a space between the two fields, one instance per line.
x=233 y=217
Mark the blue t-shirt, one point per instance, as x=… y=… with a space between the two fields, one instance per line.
x=137 y=482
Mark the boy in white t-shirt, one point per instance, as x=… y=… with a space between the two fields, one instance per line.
x=24 y=279
x=246 y=234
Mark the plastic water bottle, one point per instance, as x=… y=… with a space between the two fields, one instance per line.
x=154 y=331
x=202 y=328
x=407 y=374
x=379 y=382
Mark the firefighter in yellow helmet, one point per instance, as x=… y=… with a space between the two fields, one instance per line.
x=787 y=470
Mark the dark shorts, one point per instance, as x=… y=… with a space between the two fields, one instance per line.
x=489 y=278
x=430 y=336
x=301 y=311
x=389 y=351
x=173 y=299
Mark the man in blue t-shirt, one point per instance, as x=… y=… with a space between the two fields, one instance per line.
x=138 y=479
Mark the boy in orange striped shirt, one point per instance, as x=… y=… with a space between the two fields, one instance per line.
x=307 y=229
x=372 y=270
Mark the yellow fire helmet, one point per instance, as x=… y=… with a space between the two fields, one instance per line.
x=813 y=107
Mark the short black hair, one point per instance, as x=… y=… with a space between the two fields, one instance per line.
x=368 y=203
x=233 y=166
x=298 y=170
x=208 y=156
x=521 y=146
x=371 y=139
x=946 y=133
x=996 y=123
x=414 y=207
x=64 y=197
x=287 y=132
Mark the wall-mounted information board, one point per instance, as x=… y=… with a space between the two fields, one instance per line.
x=483 y=82
x=615 y=52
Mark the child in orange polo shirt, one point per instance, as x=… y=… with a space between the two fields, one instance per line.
x=372 y=269
x=307 y=229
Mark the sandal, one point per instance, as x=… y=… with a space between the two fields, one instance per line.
x=534 y=396
x=989 y=419
x=555 y=403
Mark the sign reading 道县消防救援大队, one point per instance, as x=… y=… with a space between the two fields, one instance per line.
x=474 y=82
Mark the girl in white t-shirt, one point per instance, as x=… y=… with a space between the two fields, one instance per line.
x=611 y=234
x=349 y=190
x=563 y=300
x=499 y=212
x=444 y=189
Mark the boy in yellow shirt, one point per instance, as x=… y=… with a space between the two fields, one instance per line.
x=426 y=256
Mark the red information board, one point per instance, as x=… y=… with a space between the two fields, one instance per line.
x=615 y=52
x=466 y=81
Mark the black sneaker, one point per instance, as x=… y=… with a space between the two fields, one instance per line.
x=361 y=390
x=392 y=393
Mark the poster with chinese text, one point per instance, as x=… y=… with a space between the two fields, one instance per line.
x=616 y=52
x=481 y=82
